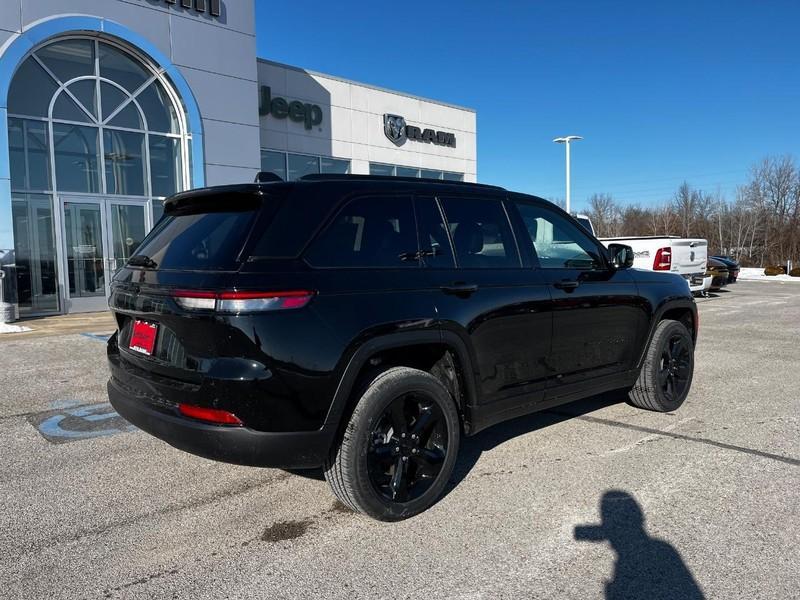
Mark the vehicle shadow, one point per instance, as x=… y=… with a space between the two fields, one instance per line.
x=473 y=447
x=645 y=567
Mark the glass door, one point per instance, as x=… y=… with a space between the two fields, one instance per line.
x=85 y=253
x=99 y=236
x=35 y=245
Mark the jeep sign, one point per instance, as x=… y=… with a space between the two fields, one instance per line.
x=280 y=108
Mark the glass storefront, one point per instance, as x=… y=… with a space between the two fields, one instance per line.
x=96 y=141
x=401 y=171
x=297 y=165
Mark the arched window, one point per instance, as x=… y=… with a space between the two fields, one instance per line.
x=89 y=116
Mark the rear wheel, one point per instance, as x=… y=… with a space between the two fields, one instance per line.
x=399 y=448
x=667 y=371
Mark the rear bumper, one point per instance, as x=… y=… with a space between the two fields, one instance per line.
x=238 y=445
x=698 y=282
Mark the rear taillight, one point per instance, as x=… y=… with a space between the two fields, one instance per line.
x=260 y=301
x=663 y=260
x=195 y=300
x=210 y=415
x=239 y=302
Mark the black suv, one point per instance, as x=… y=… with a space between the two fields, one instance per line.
x=364 y=324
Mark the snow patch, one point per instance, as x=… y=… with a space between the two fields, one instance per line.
x=757 y=274
x=9 y=328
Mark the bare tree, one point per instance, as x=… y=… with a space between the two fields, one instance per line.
x=604 y=212
x=761 y=226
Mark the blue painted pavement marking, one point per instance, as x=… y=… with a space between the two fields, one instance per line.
x=70 y=421
x=99 y=337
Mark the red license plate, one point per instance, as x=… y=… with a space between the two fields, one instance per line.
x=143 y=337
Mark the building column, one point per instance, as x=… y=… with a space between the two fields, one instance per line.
x=359 y=167
x=9 y=311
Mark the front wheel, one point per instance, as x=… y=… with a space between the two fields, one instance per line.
x=399 y=448
x=667 y=371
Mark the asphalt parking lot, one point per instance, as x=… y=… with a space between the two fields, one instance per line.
x=547 y=506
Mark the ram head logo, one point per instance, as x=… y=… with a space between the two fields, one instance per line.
x=394 y=126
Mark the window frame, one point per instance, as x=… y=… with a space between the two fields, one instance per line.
x=156 y=76
x=475 y=196
x=423 y=197
x=519 y=224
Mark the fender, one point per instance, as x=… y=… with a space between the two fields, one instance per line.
x=399 y=340
x=680 y=302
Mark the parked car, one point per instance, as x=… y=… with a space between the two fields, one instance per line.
x=732 y=265
x=684 y=256
x=718 y=270
x=365 y=324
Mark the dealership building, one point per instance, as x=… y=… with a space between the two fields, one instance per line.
x=109 y=106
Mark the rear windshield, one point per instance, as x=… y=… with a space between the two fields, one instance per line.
x=208 y=231
x=201 y=241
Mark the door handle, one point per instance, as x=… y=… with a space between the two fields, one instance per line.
x=566 y=285
x=460 y=288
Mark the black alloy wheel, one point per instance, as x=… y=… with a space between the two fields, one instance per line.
x=675 y=372
x=408 y=447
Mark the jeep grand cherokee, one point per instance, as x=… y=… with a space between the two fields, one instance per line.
x=365 y=324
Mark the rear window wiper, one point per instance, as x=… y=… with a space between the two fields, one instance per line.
x=140 y=260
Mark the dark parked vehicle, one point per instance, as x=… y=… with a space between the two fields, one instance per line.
x=732 y=266
x=719 y=271
x=365 y=324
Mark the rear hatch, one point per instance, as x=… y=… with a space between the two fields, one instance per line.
x=180 y=303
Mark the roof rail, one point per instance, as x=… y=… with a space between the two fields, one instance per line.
x=353 y=177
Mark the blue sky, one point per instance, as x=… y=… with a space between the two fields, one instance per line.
x=662 y=92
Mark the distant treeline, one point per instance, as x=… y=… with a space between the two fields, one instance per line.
x=760 y=227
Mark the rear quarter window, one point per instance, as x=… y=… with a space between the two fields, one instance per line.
x=370 y=231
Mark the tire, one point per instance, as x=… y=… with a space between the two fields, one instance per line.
x=666 y=375
x=377 y=468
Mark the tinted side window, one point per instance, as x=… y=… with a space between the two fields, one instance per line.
x=371 y=231
x=558 y=243
x=481 y=233
x=434 y=243
x=290 y=217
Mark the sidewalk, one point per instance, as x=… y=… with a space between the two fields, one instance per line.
x=97 y=322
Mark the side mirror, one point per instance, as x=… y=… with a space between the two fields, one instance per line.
x=621 y=256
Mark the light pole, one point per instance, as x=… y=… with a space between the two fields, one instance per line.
x=566 y=140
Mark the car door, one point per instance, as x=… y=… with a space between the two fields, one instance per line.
x=598 y=317
x=488 y=296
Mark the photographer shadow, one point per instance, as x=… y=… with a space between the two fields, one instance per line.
x=646 y=567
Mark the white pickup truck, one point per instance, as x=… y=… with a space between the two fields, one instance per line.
x=684 y=256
